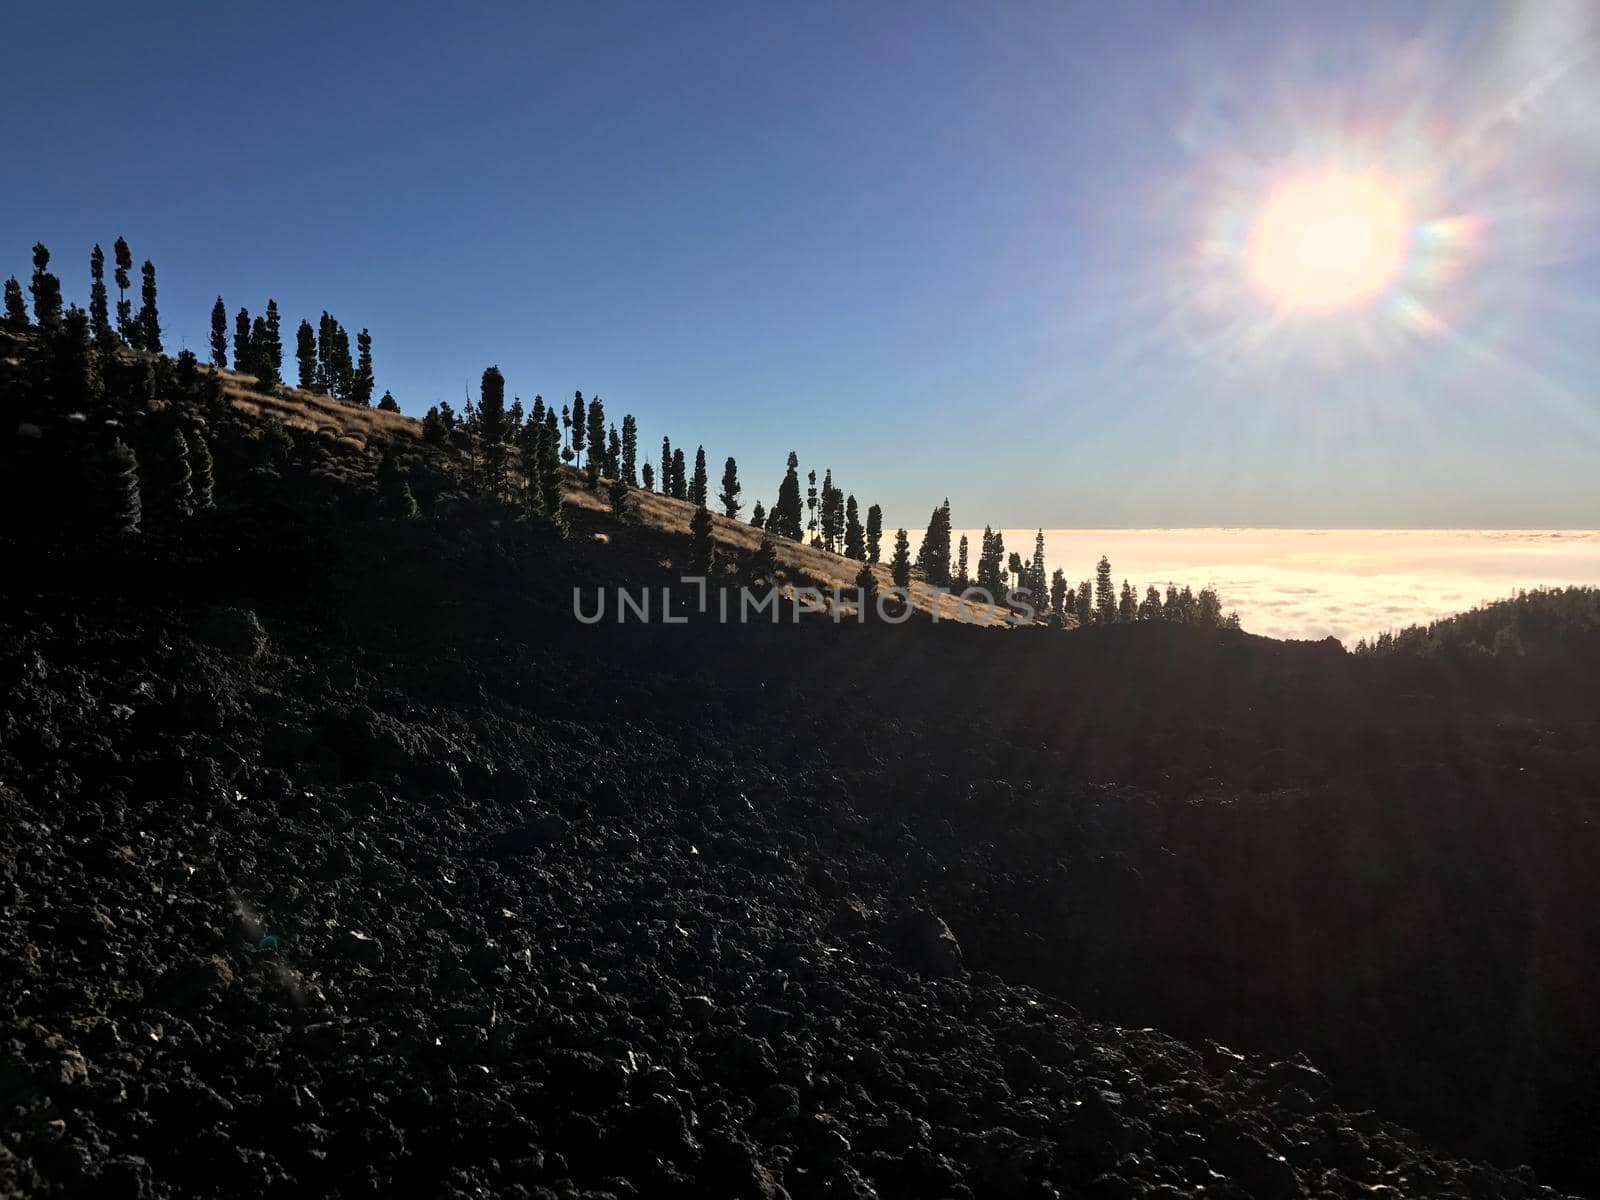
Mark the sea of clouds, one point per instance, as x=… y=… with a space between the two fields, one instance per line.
x=1317 y=583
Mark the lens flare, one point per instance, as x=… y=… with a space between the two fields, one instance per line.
x=1327 y=241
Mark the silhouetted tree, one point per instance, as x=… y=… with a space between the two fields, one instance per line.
x=1127 y=604
x=728 y=497
x=168 y=493
x=387 y=402
x=395 y=498
x=900 y=564
x=933 y=556
x=758 y=517
x=762 y=566
x=341 y=366
x=552 y=473
x=1105 y=598
x=261 y=355
x=244 y=354
x=648 y=474
x=149 y=318
x=99 y=304
x=1015 y=565
x=785 y=517
x=364 y=381
x=874 y=532
x=123 y=258
x=580 y=414
x=1150 y=606
x=567 y=452
x=272 y=344
x=1085 y=603
x=855 y=541
x=1058 y=594
x=831 y=520
x=624 y=506
x=1208 y=608
x=219 y=334
x=74 y=366
x=492 y=426
x=866 y=588
x=811 y=505
x=666 y=466
x=46 y=291
x=702 y=544
x=630 y=450
x=597 y=440
x=699 y=485
x=1171 y=609
x=16 y=310
x=305 y=354
x=961 y=580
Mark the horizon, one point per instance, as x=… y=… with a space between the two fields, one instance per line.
x=1028 y=275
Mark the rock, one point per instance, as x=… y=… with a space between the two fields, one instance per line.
x=359 y=947
x=926 y=944
x=234 y=631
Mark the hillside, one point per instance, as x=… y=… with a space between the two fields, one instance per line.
x=334 y=844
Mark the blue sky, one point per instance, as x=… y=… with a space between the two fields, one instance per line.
x=943 y=249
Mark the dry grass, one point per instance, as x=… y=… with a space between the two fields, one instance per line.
x=307 y=410
x=827 y=570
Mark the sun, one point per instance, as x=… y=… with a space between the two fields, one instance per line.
x=1327 y=241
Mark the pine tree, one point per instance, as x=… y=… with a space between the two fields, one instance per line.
x=123 y=257
x=261 y=356
x=728 y=497
x=364 y=381
x=341 y=366
x=758 y=517
x=395 y=498
x=118 y=488
x=323 y=382
x=492 y=429
x=1208 y=608
x=46 y=291
x=648 y=474
x=16 y=310
x=855 y=543
x=99 y=304
x=1127 y=604
x=962 y=580
x=666 y=467
x=202 y=476
x=1085 y=603
x=866 y=588
x=579 y=416
x=832 y=513
x=1036 y=577
x=699 y=486
x=680 y=482
x=811 y=505
x=244 y=355
x=614 y=456
x=1105 y=599
x=1016 y=566
x=784 y=520
x=305 y=353
x=1058 y=594
x=702 y=543
x=762 y=566
x=219 y=334
x=597 y=440
x=169 y=496
x=75 y=366
x=272 y=345
x=551 y=472
x=387 y=403
x=624 y=505
x=149 y=318
x=874 y=532
x=1150 y=606
x=630 y=450
x=933 y=556
x=900 y=564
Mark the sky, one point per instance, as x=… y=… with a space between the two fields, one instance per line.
x=1008 y=254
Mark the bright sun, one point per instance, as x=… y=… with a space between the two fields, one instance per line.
x=1324 y=242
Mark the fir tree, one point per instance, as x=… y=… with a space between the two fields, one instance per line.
x=962 y=580
x=202 y=476
x=785 y=517
x=46 y=291
x=648 y=474
x=492 y=429
x=552 y=474
x=728 y=497
x=1127 y=604
x=341 y=366
x=305 y=353
x=272 y=345
x=118 y=488
x=1058 y=594
x=758 y=517
x=169 y=496
x=16 y=310
x=699 y=485
x=900 y=564
x=680 y=482
x=866 y=588
x=597 y=440
x=1085 y=603
x=630 y=450
x=1150 y=606
x=364 y=381
x=855 y=542
x=149 y=318
x=702 y=543
x=832 y=513
x=1208 y=608
x=1036 y=577
x=811 y=505
x=244 y=355
x=763 y=564
x=874 y=532
x=395 y=498
x=1105 y=599
x=567 y=452
x=261 y=355
x=579 y=415
x=933 y=556
x=387 y=403
x=1016 y=567
x=99 y=304
x=614 y=455
x=624 y=505
x=123 y=257
x=219 y=334
x=666 y=467
x=75 y=366
x=323 y=382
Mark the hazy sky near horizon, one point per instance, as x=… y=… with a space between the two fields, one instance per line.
x=999 y=253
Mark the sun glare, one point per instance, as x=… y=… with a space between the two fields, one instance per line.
x=1328 y=241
